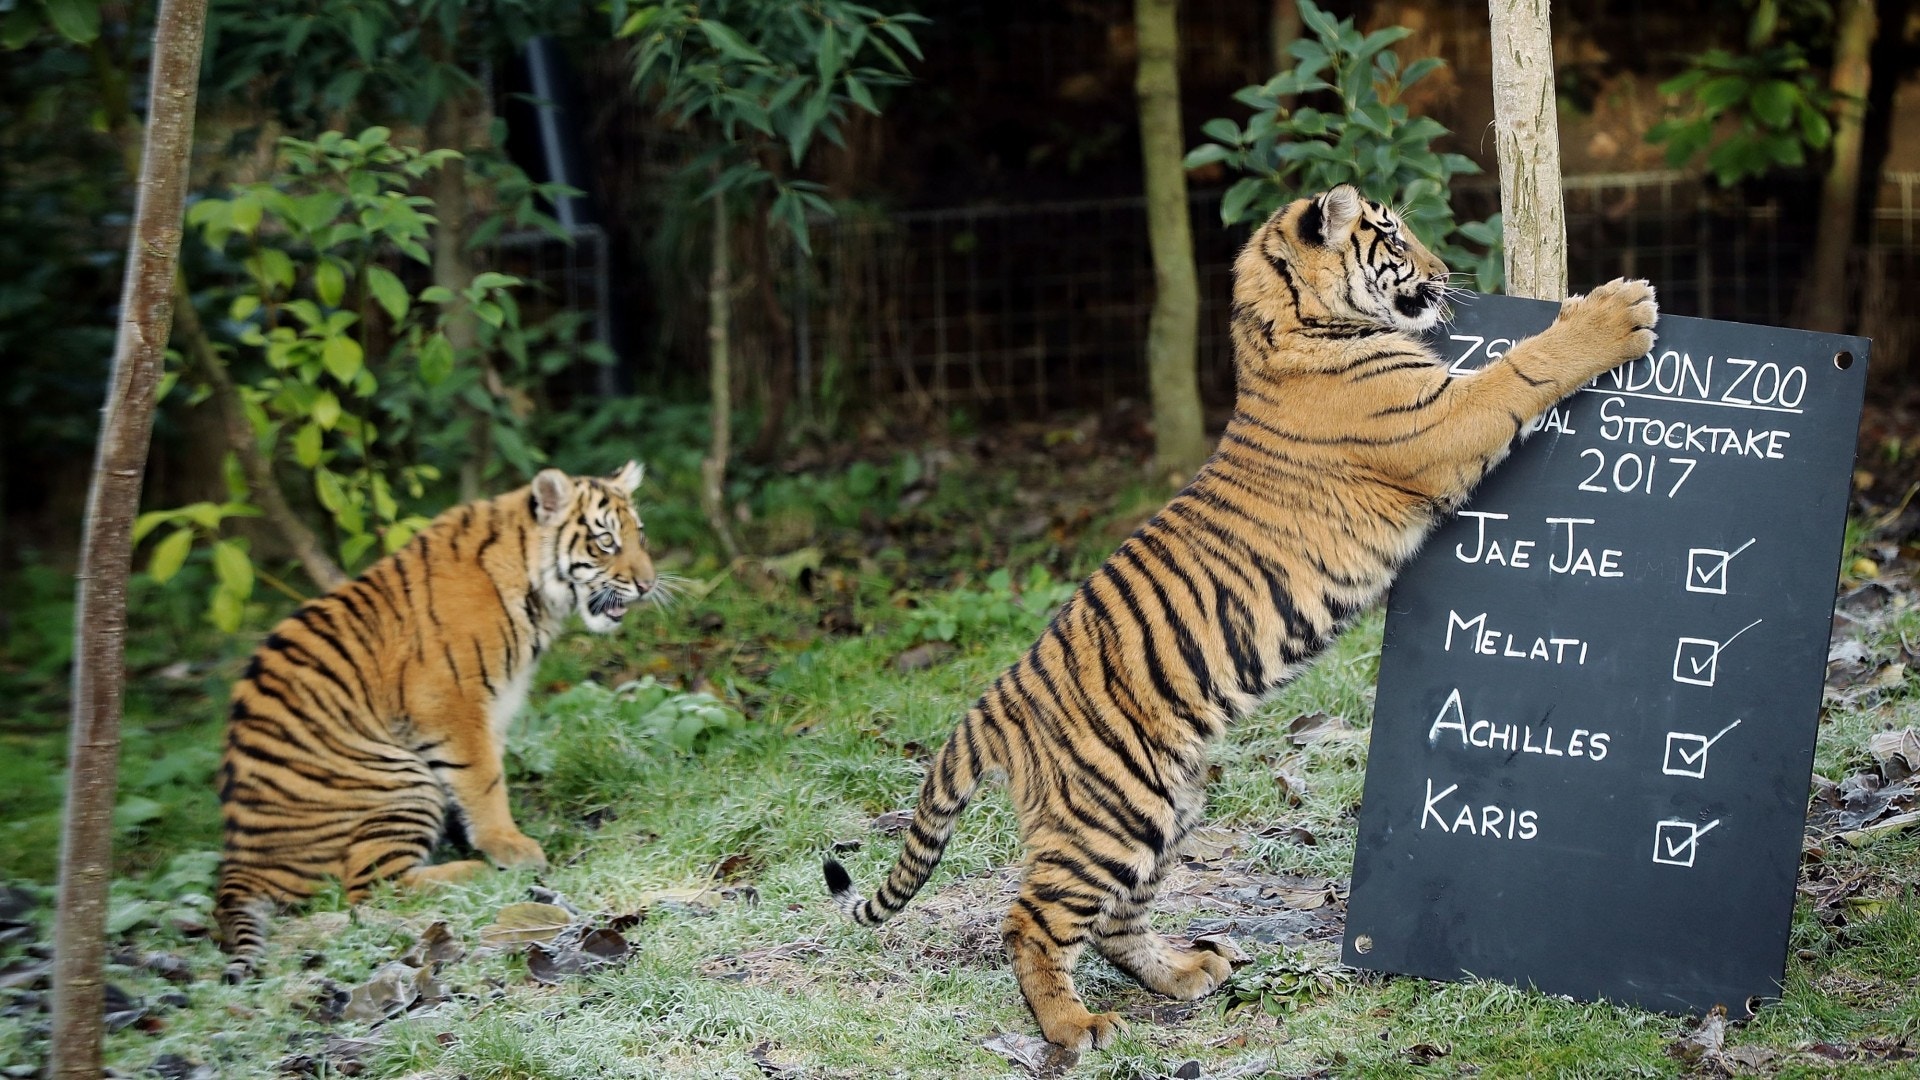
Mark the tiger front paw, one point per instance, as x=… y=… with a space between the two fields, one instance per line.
x=512 y=849
x=1613 y=323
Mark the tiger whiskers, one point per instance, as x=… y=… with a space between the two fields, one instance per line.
x=668 y=590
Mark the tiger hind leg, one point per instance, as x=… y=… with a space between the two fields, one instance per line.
x=392 y=845
x=1124 y=938
x=1045 y=931
x=430 y=877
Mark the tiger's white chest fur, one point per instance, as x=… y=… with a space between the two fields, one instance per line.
x=506 y=704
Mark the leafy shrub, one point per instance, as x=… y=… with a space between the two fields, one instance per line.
x=1000 y=609
x=590 y=745
x=1368 y=138
x=1283 y=983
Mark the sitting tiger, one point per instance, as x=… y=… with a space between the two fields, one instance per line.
x=1348 y=443
x=372 y=711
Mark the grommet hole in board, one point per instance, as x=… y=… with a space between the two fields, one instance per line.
x=1363 y=944
x=1843 y=360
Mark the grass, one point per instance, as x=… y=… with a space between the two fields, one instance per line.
x=709 y=822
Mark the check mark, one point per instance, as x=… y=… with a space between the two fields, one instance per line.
x=1695 y=660
x=1687 y=752
x=1707 y=568
x=1676 y=841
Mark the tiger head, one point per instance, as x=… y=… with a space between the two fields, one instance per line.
x=594 y=551
x=1348 y=258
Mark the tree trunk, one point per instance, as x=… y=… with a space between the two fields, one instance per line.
x=1823 y=296
x=713 y=470
x=100 y=609
x=779 y=343
x=447 y=130
x=1283 y=29
x=1527 y=135
x=1180 y=440
x=267 y=494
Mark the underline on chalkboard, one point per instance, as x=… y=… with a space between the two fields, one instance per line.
x=1692 y=401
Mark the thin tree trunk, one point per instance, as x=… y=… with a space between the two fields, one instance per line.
x=779 y=371
x=1179 y=436
x=1527 y=135
x=1283 y=29
x=446 y=130
x=100 y=609
x=713 y=470
x=1823 y=296
x=267 y=494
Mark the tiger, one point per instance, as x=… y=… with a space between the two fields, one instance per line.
x=371 y=721
x=1350 y=440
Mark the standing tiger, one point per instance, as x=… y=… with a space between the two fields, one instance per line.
x=370 y=712
x=1348 y=443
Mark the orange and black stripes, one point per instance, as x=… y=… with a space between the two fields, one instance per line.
x=370 y=720
x=1348 y=442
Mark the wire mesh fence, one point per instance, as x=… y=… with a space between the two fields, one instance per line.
x=1008 y=311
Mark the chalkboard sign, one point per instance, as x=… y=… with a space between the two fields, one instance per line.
x=1600 y=682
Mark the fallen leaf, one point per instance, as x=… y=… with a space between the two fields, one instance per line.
x=1037 y=1056
x=762 y=1056
x=437 y=945
x=1703 y=1043
x=1898 y=823
x=1426 y=1053
x=523 y=923
x=395 y=987
x=1209 y=843
x=892 y=821
x=1897 y=752
x=337 y=1057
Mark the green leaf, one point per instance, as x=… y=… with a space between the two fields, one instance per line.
x=306 y=445
x=353 y=547
x=386 y=288
x=729 y=43
x=436 y=360
x=1773 y=101
x=1723 y=92
x=1205 y=154
x=1235 y=205
x=149 y=521
x=225 y=610
x=437 y=294
x=77 y=20
x=165 y=386
x=342 y=356
x=1815 y=130
x=243 y=307
x=326 y=410
x=493 y=279
x=233 y=568
x=1221 y=130
x=329 y=282
x=170 y=555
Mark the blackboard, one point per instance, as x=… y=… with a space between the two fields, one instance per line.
x=1600 y=683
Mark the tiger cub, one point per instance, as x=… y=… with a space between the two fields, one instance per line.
x=375 y=711
x=1348 y=443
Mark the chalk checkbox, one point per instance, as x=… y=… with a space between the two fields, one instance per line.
x=1707 y=568
x=1676 y=842
x=1687 y=752
x=1696 y=661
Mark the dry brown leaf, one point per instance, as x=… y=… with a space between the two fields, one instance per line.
x=1038 y=1056
x=524 y=923
x=1897 y=752
x=1703 y=1043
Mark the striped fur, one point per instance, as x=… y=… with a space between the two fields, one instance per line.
x=370 y=714
x=1348 y=444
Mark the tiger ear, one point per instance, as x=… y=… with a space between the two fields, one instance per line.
x=628 y=476
x=552 y=491
x=1336 y=212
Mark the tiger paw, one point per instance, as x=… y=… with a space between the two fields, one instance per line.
x=1203 y=970
x=1613 y=323
x=512 y=849
x=1087 y=1031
